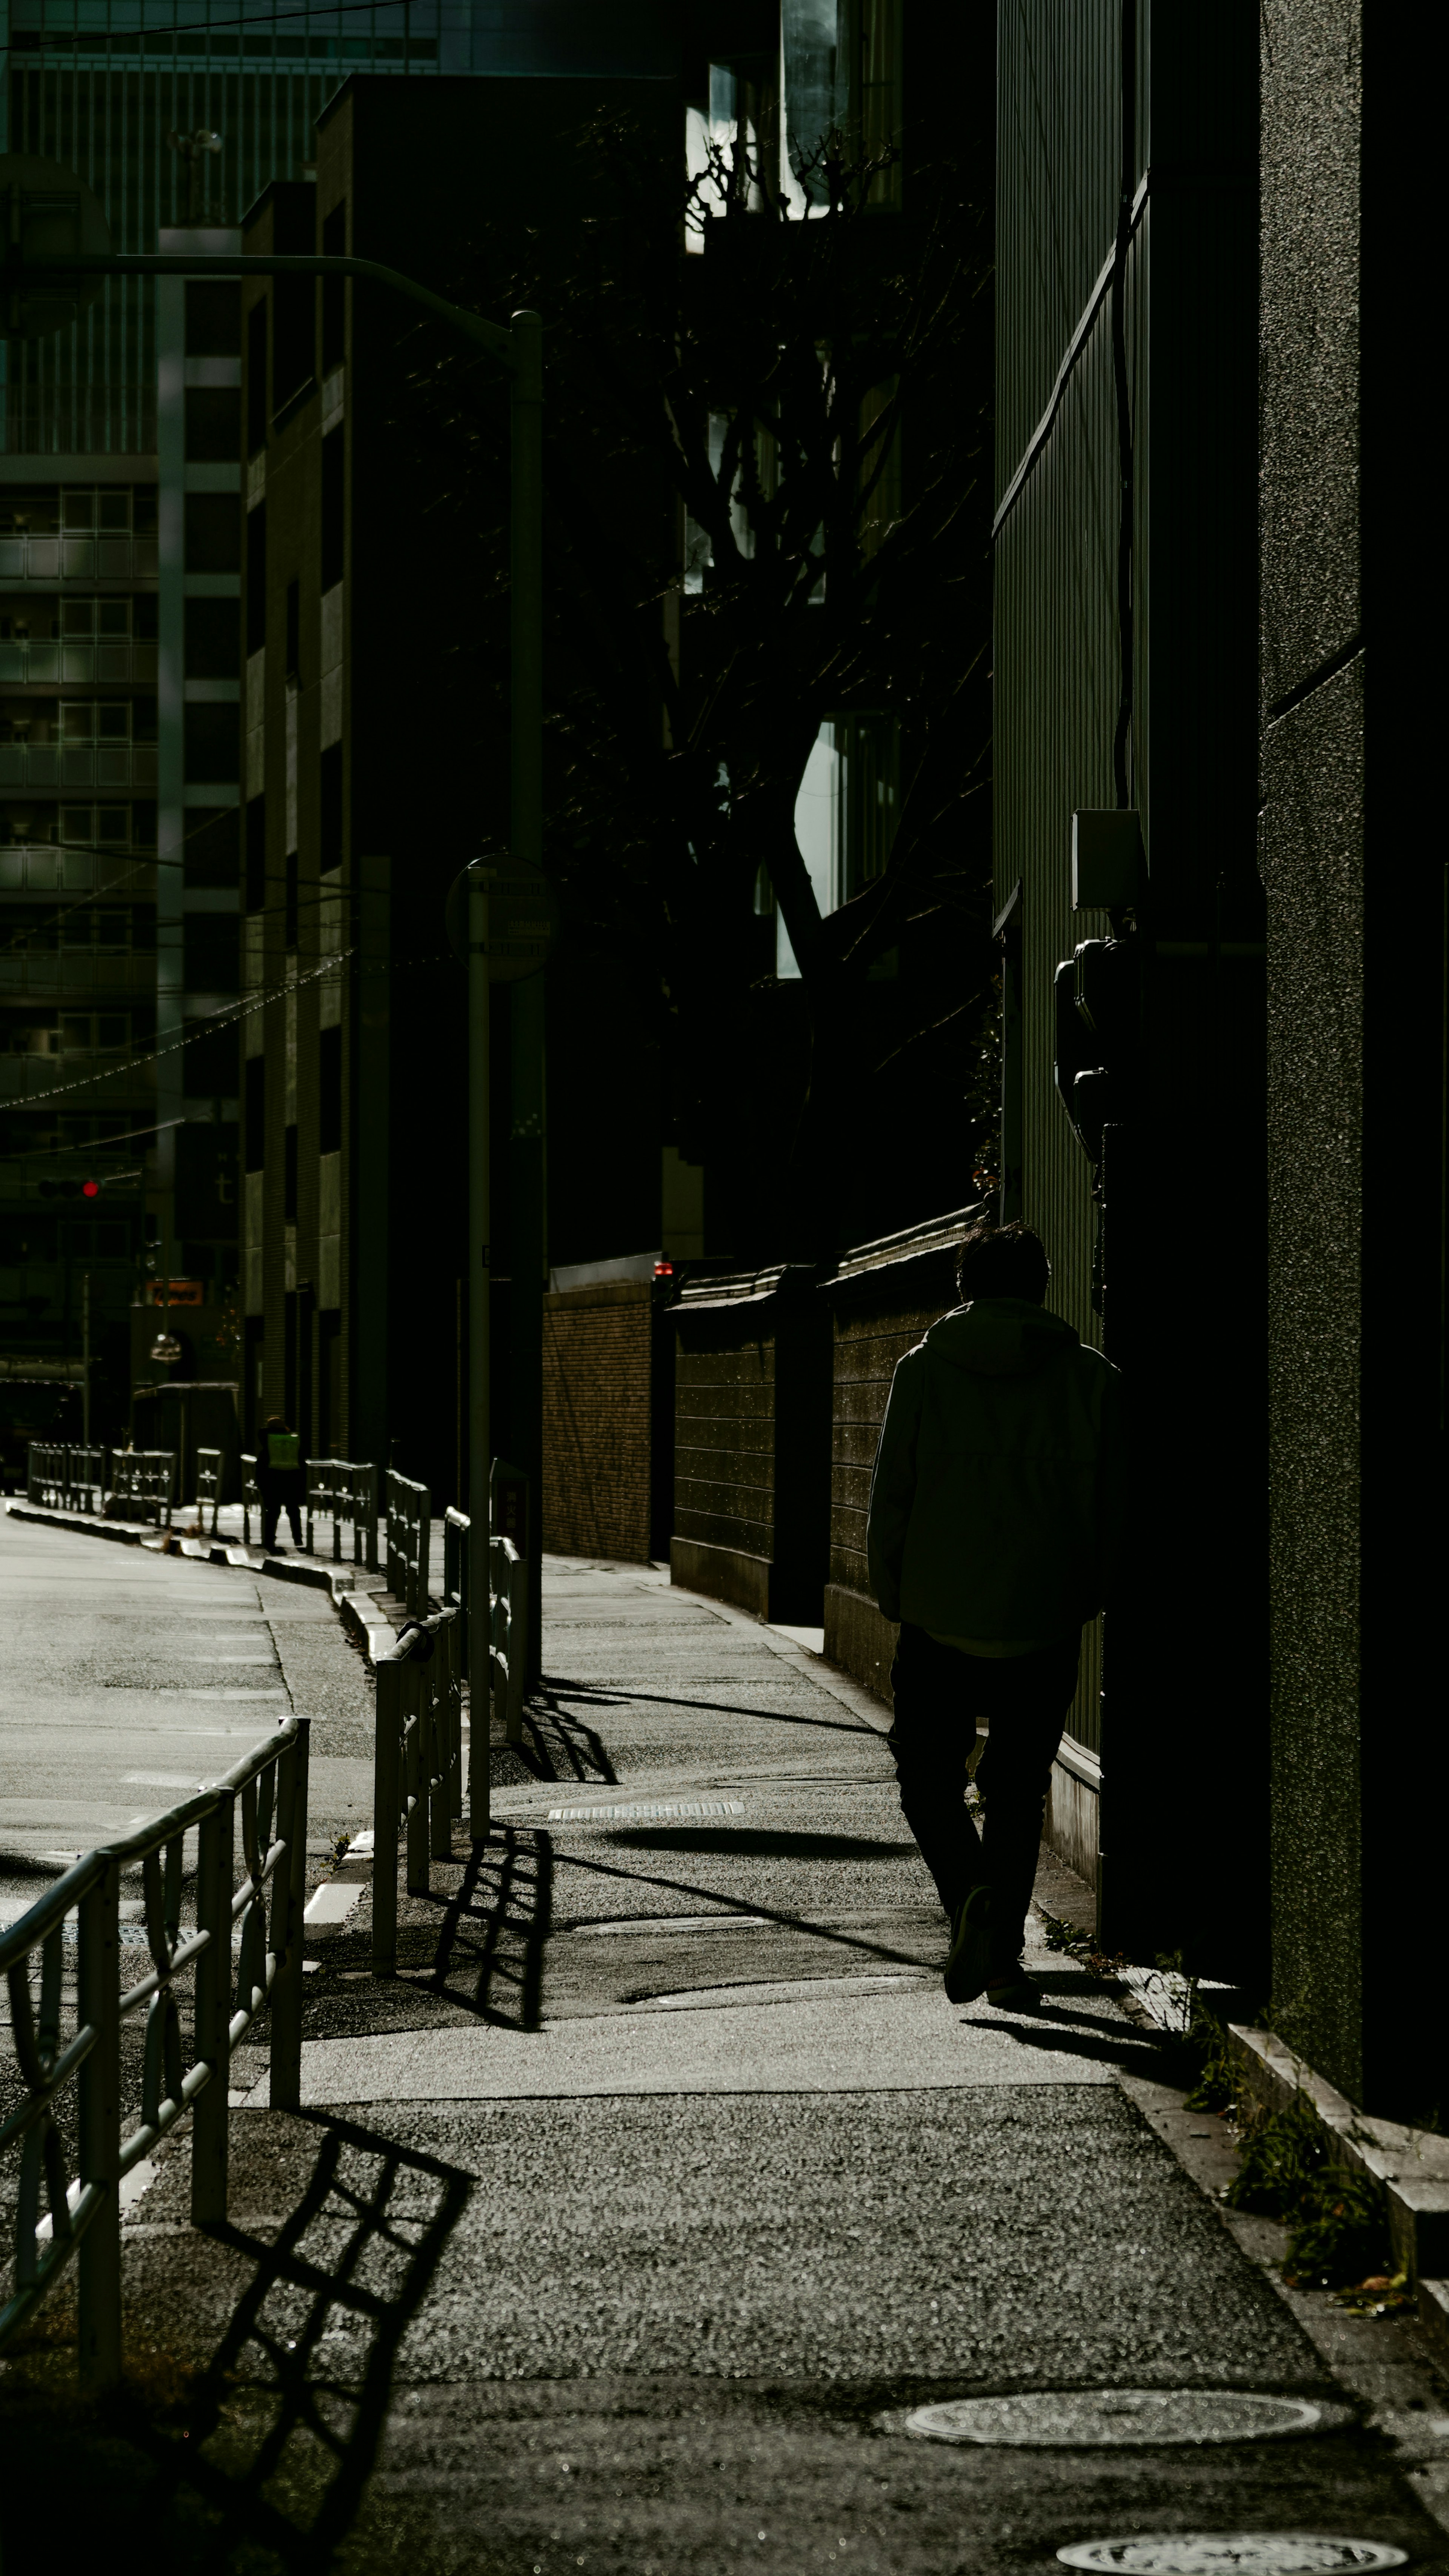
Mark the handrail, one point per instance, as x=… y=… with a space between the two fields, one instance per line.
x=347 y=1491
x=65 y=1475
x=417 y=1767
x=210 y=1469
x=507 y=1633
x=409 y=1534
x=146 y=1477
x=270 y=1785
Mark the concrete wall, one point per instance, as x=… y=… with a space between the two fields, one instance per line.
x=598 y=1420
x=1353 y=867
x=752 y=1442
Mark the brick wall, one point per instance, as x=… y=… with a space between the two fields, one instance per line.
x=751 y=1427
x=598 y=1420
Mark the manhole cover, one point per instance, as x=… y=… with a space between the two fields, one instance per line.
x=1244 y=2553
x=1122 y=2418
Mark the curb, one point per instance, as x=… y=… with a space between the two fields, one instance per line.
x=1411 y=2164
x=337 y=1581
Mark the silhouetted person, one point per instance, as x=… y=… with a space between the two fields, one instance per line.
x=281 y=1482
x=995 y=1511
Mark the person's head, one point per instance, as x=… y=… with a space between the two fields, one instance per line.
x=1002 y=1261
x=276 y=1422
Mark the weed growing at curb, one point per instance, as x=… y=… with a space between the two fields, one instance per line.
x=1337 y=2218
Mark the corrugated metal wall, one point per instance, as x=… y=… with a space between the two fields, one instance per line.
x=1056 y=642
x=1190 y=1117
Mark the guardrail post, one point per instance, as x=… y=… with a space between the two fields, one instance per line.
x=287 y=1937
x=517 y=1646
x=386 y=1748
x=435 y=1677
x=371 y=1473
x=417 y=1754
x=98 y=2000
x=209 y=2137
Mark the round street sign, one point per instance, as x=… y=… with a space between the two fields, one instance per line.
x=522 y=916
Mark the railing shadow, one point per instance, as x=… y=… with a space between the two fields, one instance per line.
x=494 y=1932
x=277 y=2437
x=558 y=1745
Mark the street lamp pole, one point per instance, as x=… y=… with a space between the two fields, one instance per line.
x=526 y=1144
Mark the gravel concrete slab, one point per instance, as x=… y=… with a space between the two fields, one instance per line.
x=904 y=2037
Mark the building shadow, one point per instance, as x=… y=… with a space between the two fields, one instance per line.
x=494 y=1932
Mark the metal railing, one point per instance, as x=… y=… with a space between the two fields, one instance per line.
x=145 y=1479
x=409 y=1533
x=417 y=1767
x=251 y=1500
x=456 y=1526
x=507 y=1633
x=65 y=1475
x=209 y=1473
x=347 y=1492
x=270 y=1786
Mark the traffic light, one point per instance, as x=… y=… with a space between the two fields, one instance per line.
x=70 y=1189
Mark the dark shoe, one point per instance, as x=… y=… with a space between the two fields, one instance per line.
x=1016 y=1992
x=970 y=1948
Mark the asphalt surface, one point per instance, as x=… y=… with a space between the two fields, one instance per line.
x=624 y=2226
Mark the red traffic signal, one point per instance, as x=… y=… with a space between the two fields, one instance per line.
x=90 y=1189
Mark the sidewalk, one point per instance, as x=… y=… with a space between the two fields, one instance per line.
x=624 y=2226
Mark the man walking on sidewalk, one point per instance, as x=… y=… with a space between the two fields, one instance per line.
x=995 y=1513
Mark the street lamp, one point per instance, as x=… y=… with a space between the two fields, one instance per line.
x=44 y=199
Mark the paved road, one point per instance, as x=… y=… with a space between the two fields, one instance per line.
x=622 y=2227
x=128 y=1678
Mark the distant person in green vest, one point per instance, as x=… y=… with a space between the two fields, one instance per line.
x=280 y=1480
x=994 y=1525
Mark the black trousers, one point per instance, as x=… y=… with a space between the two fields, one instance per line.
x=939 y=1695
x=282 y=1489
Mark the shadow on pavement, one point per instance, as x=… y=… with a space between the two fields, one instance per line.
x=558 y=1746
x=262 y=2458
x=596 y=1698
x=755 y=1846
x=494 y=1932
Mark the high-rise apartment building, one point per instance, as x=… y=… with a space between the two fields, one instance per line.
x=121 y=662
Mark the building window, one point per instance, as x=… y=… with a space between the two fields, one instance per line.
x=329 y=854
x=213 y=532
x=213 y=424
x=213 y=639
x=334 y=289
x=213 y=318
x=329 y=1091
x=255 y=1113
x=256 y=578
x=334 y=506
x=256 y=854
x=257 y=376
x=212 y=745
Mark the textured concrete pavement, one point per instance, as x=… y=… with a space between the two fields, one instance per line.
x=620 y=2230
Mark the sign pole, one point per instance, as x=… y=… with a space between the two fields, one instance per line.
x=527 y=1210
x=480 y=1665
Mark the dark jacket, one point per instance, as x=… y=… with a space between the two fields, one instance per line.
x=996 y=1503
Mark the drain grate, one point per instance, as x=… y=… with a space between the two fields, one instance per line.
x=1122 y=2419
x=646 y=1812
x=1232 y=2553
